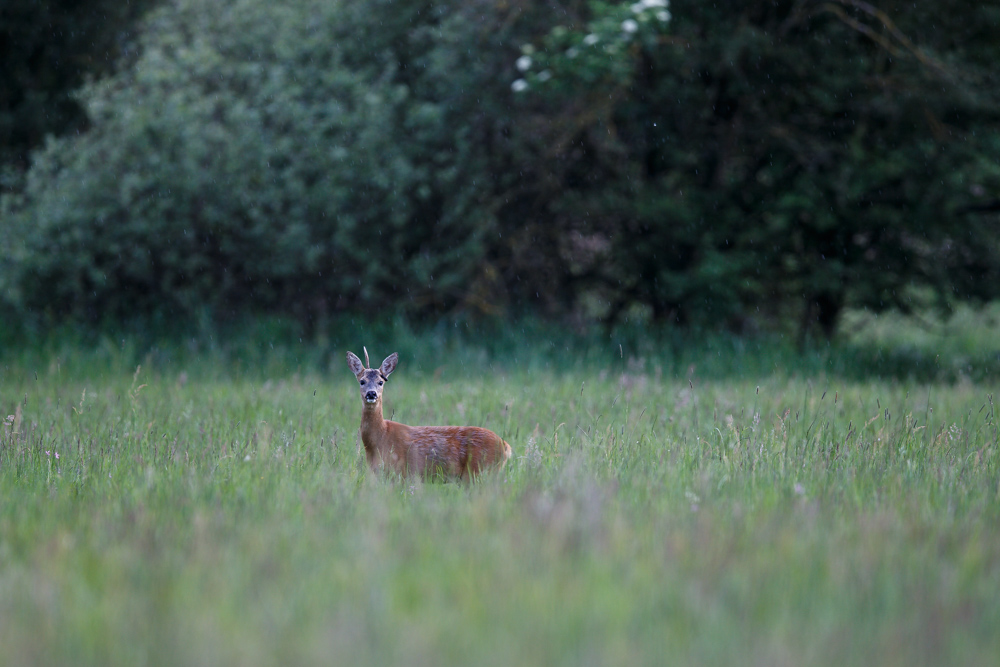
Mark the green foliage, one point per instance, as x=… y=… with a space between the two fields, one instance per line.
x=767 y=167
x=602 y=53
x=782 y=161
x=261 y=157
x=48 y=48
x=192 y=511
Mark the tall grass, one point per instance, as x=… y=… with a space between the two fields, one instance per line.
x=210 y=505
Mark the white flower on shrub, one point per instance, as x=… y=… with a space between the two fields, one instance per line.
x=643 y=5
x=634 y=18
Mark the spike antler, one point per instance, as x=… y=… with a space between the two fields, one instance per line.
x=367 y=365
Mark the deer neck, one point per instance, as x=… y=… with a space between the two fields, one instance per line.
x=373 y=427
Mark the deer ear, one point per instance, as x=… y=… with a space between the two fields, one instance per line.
x=356 y=367
x=389 y=365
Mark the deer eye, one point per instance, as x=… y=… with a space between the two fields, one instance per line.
x=380 y=383
x=362 y=383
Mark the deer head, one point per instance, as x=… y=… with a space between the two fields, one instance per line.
x=372 y=380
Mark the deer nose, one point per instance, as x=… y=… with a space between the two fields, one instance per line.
x=371 y=396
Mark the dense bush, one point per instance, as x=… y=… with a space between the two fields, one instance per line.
x=782 y=160
x=770 y=164
x=48 y=48
x=259 y=156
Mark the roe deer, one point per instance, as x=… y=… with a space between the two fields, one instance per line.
x=430 y=451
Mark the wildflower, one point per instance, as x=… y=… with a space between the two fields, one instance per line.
x=591 y=39
x=572 y=52
x=523 y=63
x=57 y=456
x=629 y=26
x=544 y=75
x=519 y=86
x=654 y=3
x=663 y=15
x=799 y=489
x=48 y=453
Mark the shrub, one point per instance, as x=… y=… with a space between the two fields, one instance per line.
x=267 y=157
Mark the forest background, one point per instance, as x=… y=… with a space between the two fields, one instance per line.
x=741 y=166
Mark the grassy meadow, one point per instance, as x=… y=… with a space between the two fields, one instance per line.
x=721 y=503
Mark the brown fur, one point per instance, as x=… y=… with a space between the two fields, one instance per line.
x=451 y=452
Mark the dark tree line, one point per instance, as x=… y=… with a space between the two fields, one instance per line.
x=736 y=165
x=48 y=48
x=787 y=158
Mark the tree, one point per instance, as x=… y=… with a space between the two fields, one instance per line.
x=261 y=157
x=763 y=165
x=48 y=48
x=784 y=158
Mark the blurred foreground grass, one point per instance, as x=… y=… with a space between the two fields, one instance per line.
x=212 y=507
